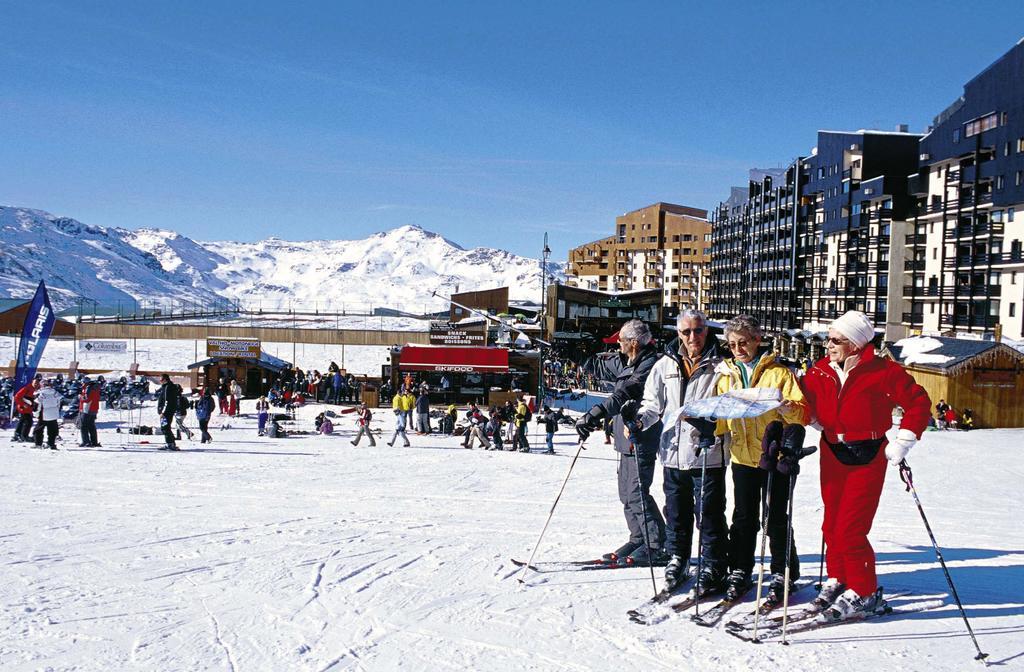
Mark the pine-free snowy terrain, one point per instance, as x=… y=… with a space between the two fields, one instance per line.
x=306 y=553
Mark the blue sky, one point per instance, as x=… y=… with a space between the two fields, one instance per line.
x=490 y=123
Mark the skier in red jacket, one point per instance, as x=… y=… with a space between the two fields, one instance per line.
x=852 y=394
x=24 y=404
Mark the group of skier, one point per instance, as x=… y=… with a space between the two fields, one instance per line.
x=850 y=395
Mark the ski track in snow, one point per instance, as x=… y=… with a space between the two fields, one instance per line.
x=305 y=553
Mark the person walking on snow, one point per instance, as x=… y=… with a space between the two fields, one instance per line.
x=167 y=400
x=235 y=403
x=476 y=429
x=89 y=407
x=852 y=394
x=364 y=426
x=204 y=409
x=262 y=413
x=522 y=420
x=636 y=344
x=181 y=414
x=24 y=405
x=48 y=401
x=750 y=367
x=687 y=373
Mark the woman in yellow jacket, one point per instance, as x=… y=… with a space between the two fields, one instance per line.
x=748 y=368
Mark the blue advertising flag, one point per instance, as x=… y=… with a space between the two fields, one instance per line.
x=38 y=324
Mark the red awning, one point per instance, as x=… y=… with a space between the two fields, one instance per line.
x=458 y=360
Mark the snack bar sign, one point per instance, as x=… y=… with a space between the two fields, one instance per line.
x=241 y=348
x=448 y=333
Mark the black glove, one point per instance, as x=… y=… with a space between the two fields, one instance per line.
x=770 y=446
x=628 y=410
x=589 y=422
x=792 y=450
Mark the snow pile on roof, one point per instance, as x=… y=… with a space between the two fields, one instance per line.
x=916 y=349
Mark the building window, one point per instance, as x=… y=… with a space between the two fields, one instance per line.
x=1019 y=178
x=1000 y=182
x=972 y=128
x=1013 y=310
x=956 y=135
x=1003 y=118
x=1010 y=213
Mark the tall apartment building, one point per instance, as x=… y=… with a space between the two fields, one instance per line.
x=855 y=204
x=965 y=266
x=754 y=262
x=662 y=246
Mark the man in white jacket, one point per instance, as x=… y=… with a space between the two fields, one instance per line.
x=686 y=373
x=49 y=415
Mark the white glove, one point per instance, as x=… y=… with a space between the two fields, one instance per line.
x=898 y=448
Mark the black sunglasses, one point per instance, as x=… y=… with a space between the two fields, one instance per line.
x=696 y=331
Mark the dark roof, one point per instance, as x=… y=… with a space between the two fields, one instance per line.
x=959 y=351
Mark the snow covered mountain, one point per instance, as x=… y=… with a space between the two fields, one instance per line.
x=396 y=269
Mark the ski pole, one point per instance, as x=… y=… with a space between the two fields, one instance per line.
x=908 y=479
x=633 y=436
x=766 y=503
x=789 y=556
x=821 y=564
x=552 y=512
x=700 y=525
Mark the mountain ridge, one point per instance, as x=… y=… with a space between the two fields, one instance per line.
x=396 y=268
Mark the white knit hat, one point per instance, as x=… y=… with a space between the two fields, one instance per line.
x=856 y=326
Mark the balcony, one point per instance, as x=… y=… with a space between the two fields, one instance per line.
x=913 y=319
x=970 y=321
x=974 y=230
x=914 y=265
x=973 y=260
x=916 y=239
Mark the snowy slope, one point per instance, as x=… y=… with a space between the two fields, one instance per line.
x=79 y=260
x=305 y=553
x=396 y=269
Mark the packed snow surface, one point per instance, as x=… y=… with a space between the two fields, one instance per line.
x=306 y=553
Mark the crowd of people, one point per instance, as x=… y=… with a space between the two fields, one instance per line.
x=850 y=395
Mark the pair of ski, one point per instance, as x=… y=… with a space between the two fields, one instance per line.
x=810 y=618
x=569 y=565
x=651 y=613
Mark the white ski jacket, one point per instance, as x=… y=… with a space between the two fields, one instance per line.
x=49 y=404
x=666 y=389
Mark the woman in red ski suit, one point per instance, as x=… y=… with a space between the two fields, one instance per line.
x=852 y=394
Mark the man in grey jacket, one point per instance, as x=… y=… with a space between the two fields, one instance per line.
x=636 y=344
x=687 y=373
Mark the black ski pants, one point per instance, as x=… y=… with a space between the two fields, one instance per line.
x=166 y=424
x=749 y=485
x=51 y=433
x=204 y=424
x=24 y=428
x=635 y=489
x=683 y=507
x=89 y=437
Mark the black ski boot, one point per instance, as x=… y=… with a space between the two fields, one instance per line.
x=712 y=580
x=677 y=571
x=643 y=556
x=737 y=584
x=621 y=551
x=777 y=590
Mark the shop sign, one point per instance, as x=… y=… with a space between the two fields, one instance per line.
x=448 y=333
x=614 y=303
x=239 y=348
x=105 y=346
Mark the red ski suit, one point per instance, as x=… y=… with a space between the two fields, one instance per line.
x=861 y=409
